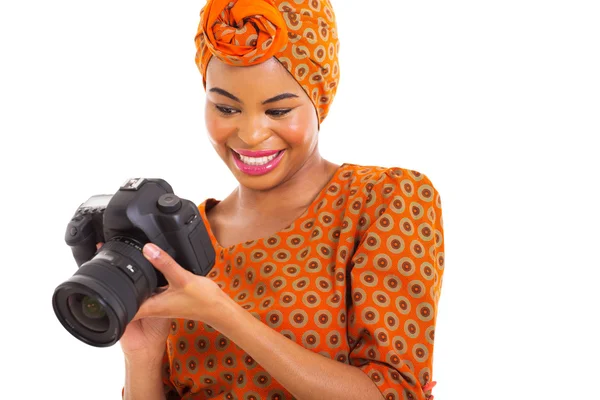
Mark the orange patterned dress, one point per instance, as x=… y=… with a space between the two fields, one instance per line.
x=356 y=278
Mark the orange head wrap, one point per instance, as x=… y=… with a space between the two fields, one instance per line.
x=300 y=34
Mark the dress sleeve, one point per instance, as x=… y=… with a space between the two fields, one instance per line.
x=395 y=278
x=169 y=389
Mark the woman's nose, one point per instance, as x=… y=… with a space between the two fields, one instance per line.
x=254 y=133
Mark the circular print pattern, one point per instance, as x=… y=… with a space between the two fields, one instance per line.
x=355 y=278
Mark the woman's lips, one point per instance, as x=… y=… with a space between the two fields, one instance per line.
x=257 y=153
x=251 y=168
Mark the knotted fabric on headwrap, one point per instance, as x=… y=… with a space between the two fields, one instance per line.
x=300 y=34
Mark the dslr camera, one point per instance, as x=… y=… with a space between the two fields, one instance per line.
x=101 y=298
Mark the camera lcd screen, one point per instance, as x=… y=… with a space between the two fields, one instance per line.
x=97 y=201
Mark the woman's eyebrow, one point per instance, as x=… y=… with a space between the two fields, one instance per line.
x=271 y=100
x=279 y=97
x=225 y=93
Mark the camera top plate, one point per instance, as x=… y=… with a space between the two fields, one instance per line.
x=132 y=184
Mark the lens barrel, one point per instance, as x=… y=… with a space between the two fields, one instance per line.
x=100 y=299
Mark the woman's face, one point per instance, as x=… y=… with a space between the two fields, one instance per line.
x=259 y=108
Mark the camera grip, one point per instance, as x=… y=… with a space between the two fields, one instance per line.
x=81 y=237
x=85 y=250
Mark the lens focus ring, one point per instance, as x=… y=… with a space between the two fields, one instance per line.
x=136 y=258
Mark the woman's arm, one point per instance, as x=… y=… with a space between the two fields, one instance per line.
x=305 y=374
x=143 y=380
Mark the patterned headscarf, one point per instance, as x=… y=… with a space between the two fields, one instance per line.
x=300 y=34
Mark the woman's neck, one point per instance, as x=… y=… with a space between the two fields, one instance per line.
x=295 y=193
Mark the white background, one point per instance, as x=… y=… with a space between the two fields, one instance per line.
x=498 y=103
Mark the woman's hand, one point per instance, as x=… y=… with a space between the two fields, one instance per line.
x=144 y=339
x=186 y=296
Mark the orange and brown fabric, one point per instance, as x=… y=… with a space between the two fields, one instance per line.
x=356 y=278
x=301 y=35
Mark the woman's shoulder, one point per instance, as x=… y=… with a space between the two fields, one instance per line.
x=387 y=180
x=363 y=193
x=388 y=200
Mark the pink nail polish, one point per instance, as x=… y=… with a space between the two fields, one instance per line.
x=151 y=251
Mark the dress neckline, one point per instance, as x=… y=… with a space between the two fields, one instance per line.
x=211 y=202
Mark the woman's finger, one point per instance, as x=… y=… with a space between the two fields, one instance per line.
x=176 y=275
x=98 y=245
x=154 y=306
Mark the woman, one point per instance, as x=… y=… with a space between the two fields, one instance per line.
x=327 y=277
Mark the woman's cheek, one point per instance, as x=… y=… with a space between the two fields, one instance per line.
x=217 y=128
x=298 y=130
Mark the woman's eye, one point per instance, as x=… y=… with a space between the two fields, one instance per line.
x=278 y=113
x=231 y=111
x=225 y=110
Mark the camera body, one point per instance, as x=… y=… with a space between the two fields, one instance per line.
x=98 y=301
x=143 y=210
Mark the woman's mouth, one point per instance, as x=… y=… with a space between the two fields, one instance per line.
x=257 y=162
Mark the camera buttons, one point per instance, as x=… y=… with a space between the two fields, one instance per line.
x=169 y=203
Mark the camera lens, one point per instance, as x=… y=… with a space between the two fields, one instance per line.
x=100 y=299
x=89 y=312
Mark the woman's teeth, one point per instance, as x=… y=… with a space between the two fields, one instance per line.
x=257 y=160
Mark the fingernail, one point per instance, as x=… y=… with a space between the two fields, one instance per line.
x=151 y=251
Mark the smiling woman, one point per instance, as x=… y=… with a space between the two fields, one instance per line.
x=327 y=276
x=262 y=109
